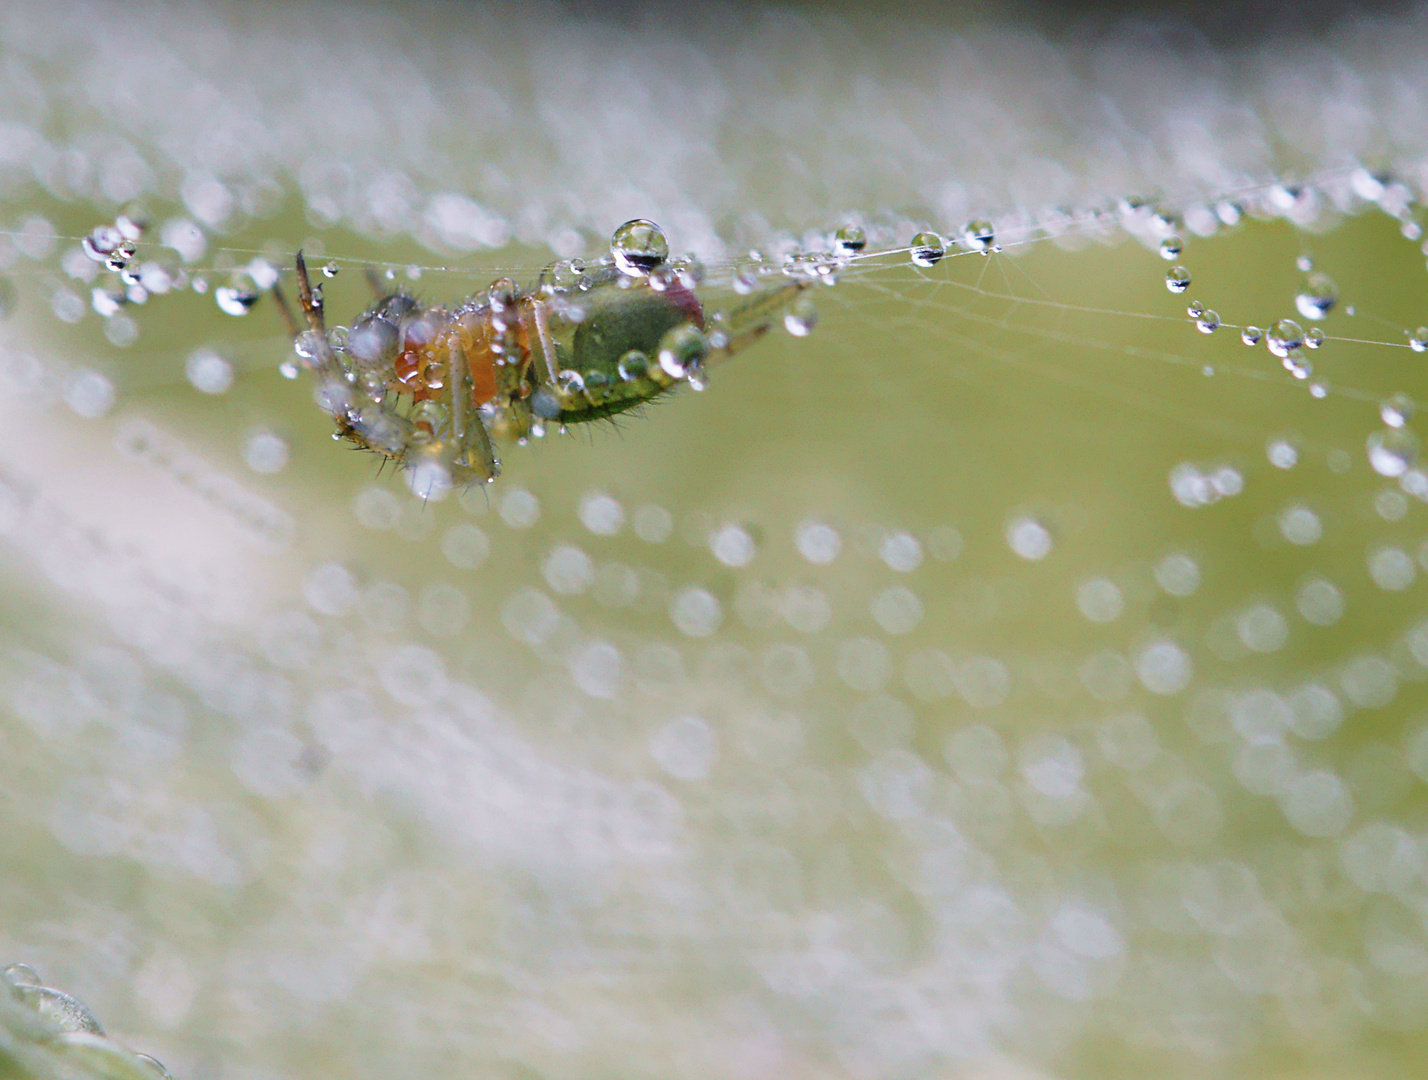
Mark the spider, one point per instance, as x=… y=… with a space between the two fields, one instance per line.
x=429 y=388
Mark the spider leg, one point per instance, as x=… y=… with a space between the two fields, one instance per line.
x=286 y=311
x=468 y=430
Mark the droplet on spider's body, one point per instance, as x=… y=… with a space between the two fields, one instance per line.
x=1284 y=337
x=928 y=249
x=801 y=317
x=372 y=340
x=849 y=240
x=638 y=246
x=1177 y=279
x=633 y=365
x=681 y=348
x=1317 y=296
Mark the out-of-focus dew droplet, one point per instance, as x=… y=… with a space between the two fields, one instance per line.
x=235 y=299
x=1171 y=247
x=1392 y=451
x=1317 y=296
x=801 y=317
x=1397 y=409
x=638 y=246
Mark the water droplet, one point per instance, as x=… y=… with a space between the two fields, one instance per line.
x=118 y=259
x=101 y=242
x=1397 y=410
x=980 y=236
x=633 y=365
x=105 y=303
x=1208 y=322
x=681 y=348
x=1177 y=279
x=1171 y=247
x=1284 y=337
x=1317 y=296
x=1313 y=337
x=801 y=317
x=927 y=249
x=329 y=269
x=1194 y=309
x=1297 y=364
x=502 y=295
x=20 y=975
x=235 y=300
x=1305 y=263
x=849 y=240
x=638 y=246
x=1418 y=340
x=209 y=372
x=1392 y=451
x=1251 y=335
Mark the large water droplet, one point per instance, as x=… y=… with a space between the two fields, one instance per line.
x=1284 y=337
x=638 y=246
x=1313 y=337
x=1317 y=296
x=849 y=240
x=980 y=236
x=927 y=249
x=1208 y=322
x=1177 y=279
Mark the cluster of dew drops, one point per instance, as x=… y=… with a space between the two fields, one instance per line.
x=1393 y=449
